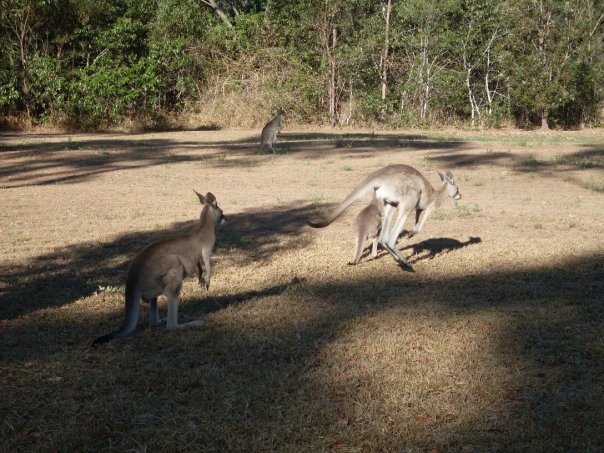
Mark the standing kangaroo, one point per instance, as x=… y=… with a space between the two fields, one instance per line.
x=270 y=131
x=162 y=266
x=367 y=226
x=398 y=187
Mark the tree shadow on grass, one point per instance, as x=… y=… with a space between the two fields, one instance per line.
x=265 y=382
x=81 y=158
x=73 y=272
x=560 y=167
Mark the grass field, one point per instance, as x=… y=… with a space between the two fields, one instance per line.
x=494 y=343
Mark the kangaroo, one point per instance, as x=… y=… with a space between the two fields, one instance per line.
x=398 y=187
x=270 y=131
x=162 y=266
x=367 y=226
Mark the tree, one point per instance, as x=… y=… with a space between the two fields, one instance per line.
x=540 y=50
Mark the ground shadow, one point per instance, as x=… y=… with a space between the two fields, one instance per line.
x=73 y=272
x=78 y=158
x=427 y=249
x=431 y=248
x=560 y=167
x=245 y=387
x=81 y=158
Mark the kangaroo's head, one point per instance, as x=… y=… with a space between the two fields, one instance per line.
x=209 y=200
x=449 y=182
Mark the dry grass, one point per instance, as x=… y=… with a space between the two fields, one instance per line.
x=494 y=343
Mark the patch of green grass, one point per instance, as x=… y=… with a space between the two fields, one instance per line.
x=530 y=161
x=347 y=168
x=596 y=186
x=110 y=290
x=466 y=210
x=171 y=157
x=439 y=216
x=318 y=200
x=137 y=213
x=426 y=163
x=524 y=140
x=343 y=142
x=71 y=145
x=579 y=161
x=104 y=151
x=538 y=226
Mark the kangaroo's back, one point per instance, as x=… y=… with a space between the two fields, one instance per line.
x=390 y=183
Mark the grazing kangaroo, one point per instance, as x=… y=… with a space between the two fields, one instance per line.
x=398 y=187
x=367 y=226
x=162 y=266
x=270 y=131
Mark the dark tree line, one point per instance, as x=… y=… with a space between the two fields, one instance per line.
x=95 y=63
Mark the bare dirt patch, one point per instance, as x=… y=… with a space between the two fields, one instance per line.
x=493 y=343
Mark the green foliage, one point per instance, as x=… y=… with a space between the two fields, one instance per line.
x=8 y=83
x=108 y=92
x=100 y=62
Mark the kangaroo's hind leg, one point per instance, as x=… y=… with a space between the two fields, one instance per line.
x=154 y=319
x=358 y=250
x=172 y=293
x=403 y=211
x=374 y=248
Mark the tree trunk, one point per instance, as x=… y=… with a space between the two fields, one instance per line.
x=212 y=4
x=544 y=123
x=333 y=74
x=386 y=50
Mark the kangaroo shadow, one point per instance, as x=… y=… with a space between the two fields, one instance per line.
x=431 y=248
x=428 y=249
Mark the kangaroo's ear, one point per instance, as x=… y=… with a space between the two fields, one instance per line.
x=442 y=177
x=202 y=199
x=210 y=198
x=449 y=175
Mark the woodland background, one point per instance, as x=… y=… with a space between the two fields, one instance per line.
x=91 y=64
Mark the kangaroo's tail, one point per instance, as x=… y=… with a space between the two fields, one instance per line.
x=365 y=186
x=132 y=311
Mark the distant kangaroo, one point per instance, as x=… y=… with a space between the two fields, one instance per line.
x=162 y=266
x=367 y=226
x=402 y=187
x=270 y=131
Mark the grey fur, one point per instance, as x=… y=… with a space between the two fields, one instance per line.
x=402 y=188
x=270 y=131
x=161 y=267
x=367 y=226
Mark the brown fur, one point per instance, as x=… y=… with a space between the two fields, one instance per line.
x=162 y=266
